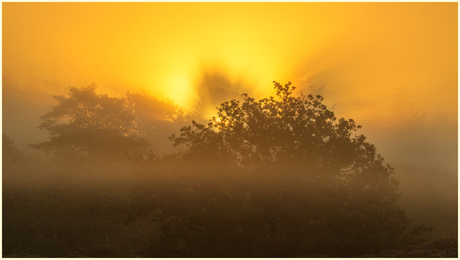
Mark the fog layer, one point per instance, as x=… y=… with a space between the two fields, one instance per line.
x=392 y=67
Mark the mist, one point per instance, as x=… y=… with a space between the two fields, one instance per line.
x=162 y=142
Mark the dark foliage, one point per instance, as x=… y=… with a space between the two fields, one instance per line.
x=176 y=215
x=278 y=177
x=87 y=124
x=315 y=171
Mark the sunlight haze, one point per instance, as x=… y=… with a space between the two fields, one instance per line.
x=126 y=94
x=360 y=49
x=361 y=52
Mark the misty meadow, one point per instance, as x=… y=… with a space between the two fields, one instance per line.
x=184 y=146
x=281 y=176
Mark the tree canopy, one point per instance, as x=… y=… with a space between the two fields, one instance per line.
x=88 y=124
x=308 y=159
x=286 y=130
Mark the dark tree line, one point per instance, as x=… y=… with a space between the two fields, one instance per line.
x=87 y=124
x=317 y=177
x=281 y=176
x=91 y=125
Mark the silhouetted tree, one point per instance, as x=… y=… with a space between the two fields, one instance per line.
x=288 y=131
x=318 y=172
x=87 y=124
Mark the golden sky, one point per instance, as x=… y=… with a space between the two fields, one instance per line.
x=364 y=53
x=356 y=49
x=376 y=60
x=373 y=58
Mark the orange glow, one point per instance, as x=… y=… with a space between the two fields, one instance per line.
x=391 y=67
x=356 y=49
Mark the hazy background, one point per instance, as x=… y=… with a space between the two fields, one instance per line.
x=393 y=67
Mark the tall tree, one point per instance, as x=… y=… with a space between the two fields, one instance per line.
x=337 y=182
x=87 y=124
